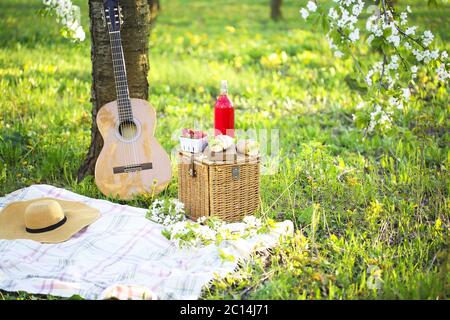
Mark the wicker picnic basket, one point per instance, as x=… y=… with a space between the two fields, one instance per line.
x=228 y=190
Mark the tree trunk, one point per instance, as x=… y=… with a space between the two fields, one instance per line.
x=275 y=9
x=135 y=32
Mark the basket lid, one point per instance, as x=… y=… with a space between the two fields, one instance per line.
x=201 y=158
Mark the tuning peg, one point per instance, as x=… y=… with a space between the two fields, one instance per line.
x=120 y=15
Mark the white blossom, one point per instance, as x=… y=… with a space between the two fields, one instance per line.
x=79 y=33
x=332 y=13
x=378 y=118
x=68 y=15
x=403 y=18
x=357 y=8
x=427 y=38
x=394 y=39
x=304 y=13
x=311 y=6
x=354 y=35
x=330 y=42
x=442 y=73
x=434 y=55
x=393 y=64
x=411 y=30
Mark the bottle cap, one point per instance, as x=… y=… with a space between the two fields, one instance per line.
x=223 y=87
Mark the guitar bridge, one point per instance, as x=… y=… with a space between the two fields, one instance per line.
x=133 y=168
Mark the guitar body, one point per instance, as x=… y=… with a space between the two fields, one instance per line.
x=132 y=161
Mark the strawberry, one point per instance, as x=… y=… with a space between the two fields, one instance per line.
x=199 y=134
x=187 y=133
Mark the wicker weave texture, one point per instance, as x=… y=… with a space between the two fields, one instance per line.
x=227 y=191
x=194 y=191
x=234 y=195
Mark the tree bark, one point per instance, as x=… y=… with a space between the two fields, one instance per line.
x=275 y=9
x=135 y=33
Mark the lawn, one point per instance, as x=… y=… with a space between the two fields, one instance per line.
x=371 y=210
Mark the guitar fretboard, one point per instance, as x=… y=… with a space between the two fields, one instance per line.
x=120 y=76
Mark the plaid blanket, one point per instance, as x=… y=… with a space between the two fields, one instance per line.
x=122 y=255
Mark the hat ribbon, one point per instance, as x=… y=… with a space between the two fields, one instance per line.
x=49 y=228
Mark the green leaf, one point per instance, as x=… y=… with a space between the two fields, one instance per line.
x=165 y=233
x=432 y=3
x=325 y=23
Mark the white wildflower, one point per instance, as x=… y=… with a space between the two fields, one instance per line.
x=202 y=219
x=406 y=94
x=369 y=77
x=166 y=212
x=252 y=221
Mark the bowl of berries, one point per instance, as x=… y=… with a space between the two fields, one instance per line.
x=193 y=141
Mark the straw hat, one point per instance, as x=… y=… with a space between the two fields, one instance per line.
x=45 y=220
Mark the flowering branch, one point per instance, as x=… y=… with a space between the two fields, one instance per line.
x=388 y=33
x=68 y=15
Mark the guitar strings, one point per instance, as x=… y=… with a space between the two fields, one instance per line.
x=117 y=79
x=124 y=103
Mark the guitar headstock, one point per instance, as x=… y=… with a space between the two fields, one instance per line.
x=112 y=14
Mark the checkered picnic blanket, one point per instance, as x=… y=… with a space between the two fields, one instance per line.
x=122 y=255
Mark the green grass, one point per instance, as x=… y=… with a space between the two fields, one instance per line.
x=371 y=212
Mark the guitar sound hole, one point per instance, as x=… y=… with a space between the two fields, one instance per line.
x=128 y=129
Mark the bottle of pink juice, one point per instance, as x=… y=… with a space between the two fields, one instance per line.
x=224 y=112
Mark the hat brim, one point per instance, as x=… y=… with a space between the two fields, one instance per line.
x=12 y=222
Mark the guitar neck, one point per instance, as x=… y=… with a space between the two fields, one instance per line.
x=120 y=77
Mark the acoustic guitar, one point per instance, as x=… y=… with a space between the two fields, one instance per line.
x=131 y=161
